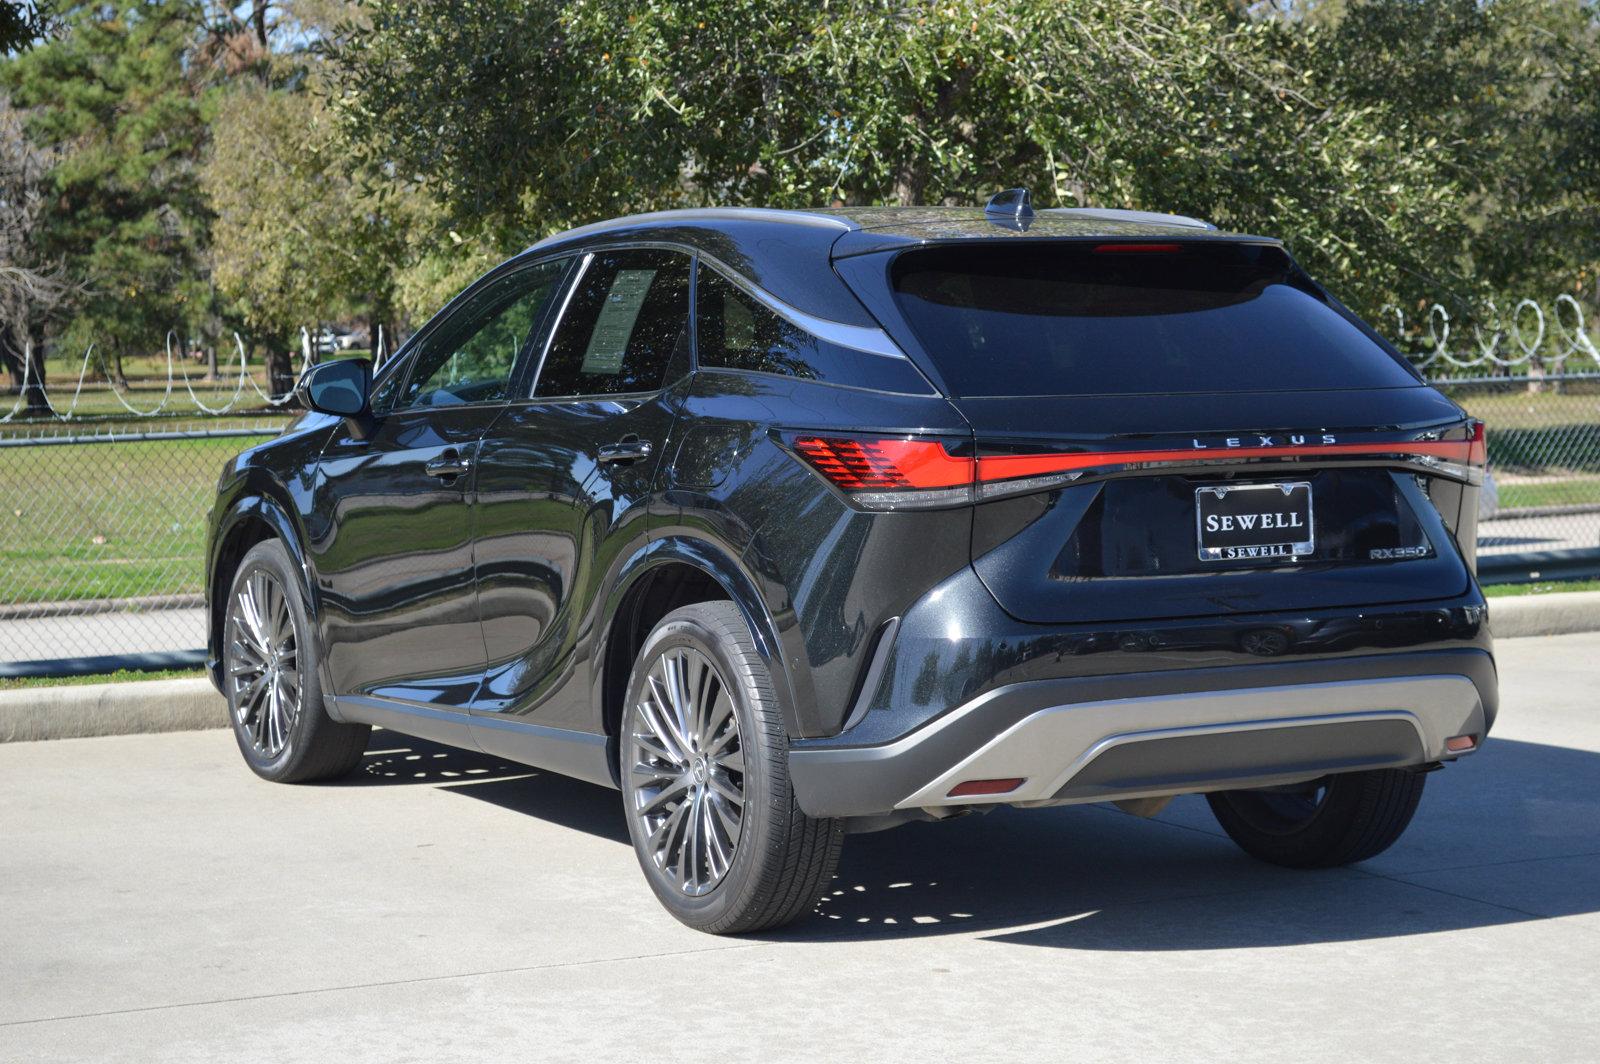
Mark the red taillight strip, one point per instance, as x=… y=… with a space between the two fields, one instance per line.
x=876 y=465
x=1004 y=467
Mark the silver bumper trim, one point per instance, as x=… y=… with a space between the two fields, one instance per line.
x=1051 y=746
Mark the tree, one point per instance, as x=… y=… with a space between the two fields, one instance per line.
x=30 y=287
x=296 y=239
x=523 y=116
x=115 y=98
x=21 y=23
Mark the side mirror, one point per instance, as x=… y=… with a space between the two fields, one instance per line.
x=342 y=387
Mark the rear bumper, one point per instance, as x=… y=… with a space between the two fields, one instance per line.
x=1178 y=731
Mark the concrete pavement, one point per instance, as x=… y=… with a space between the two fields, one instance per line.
x=158 y=903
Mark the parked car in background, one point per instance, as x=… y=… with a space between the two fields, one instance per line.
x=789 y=524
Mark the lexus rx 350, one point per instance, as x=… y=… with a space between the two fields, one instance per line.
x=789 y=524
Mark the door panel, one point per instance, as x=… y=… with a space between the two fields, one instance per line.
x=394 y=553
x=395 y=564
x=564 y=482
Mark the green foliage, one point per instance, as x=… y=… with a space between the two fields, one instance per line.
x=21 y=23
x=1401 y=147
x=295 y=239
x=321 y=158
x=113 y=95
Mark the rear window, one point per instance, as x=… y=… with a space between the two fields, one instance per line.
x=1084 y=319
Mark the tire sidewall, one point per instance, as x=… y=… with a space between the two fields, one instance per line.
x=731 y=892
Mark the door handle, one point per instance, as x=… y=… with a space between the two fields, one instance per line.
x=447 y=466
x=627 y=449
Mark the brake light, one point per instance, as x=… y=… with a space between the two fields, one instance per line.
x=890 y=474
x=911 y=473
x=1137 y=249
x=857 y=465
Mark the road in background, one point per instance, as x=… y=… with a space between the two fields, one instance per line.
x=158 y=903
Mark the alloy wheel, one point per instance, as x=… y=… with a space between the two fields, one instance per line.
x=263 y=666
x=685 y=770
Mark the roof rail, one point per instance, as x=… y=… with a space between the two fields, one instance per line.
x=1148 y=217
x=758 y=214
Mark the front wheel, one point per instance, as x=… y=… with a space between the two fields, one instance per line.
x=269 y=663
x=1335 y=820
x=705 y=780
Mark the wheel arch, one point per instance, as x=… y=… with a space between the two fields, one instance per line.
x=251 y=518
x=666 y=574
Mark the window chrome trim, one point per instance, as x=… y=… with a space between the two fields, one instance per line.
x=861 y=338
x=555 y=323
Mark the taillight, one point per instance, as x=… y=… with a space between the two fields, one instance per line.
x=890 y=474
x=912 y=472
x=1463 y=459
x=907 y=473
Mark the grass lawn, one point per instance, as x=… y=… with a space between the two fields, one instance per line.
x=120 y=676
x=107 y=520
x=1507 y=590
x=1514 y=407
x=1568 y=491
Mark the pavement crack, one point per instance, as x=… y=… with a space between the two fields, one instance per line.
x=376 y=985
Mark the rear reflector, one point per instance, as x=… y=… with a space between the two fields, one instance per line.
x=1460 y=744
x=973 y=787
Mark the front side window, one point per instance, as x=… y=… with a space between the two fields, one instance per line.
x=469 y=358
x=735 y=331
x=625 y=322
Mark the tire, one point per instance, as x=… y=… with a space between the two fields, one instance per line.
x=270 y=676
x=1336 y=820
x=681 y=770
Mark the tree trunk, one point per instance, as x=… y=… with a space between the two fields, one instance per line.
x=26 y=369
x=280 y=372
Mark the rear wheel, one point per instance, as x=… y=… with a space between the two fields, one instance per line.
x=705 y=780
x=1335 y=820
x=269 y=667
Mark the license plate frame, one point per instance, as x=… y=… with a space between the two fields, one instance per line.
x=1273 y=531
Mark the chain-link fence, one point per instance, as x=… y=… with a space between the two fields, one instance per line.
x=1543 y=492
x=102 y=541
x=103 y=501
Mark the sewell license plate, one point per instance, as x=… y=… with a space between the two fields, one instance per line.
x=1253 y=522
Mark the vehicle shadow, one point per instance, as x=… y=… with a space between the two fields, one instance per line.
x=393 y=759
x=1508 y=835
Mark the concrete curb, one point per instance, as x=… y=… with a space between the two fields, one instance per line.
x=78 y=711
x=1555 y=614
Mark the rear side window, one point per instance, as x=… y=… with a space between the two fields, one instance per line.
x=625 y=322
x=1084 y=319
x=735 y=331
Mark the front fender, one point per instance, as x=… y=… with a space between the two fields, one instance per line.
x=239 y=519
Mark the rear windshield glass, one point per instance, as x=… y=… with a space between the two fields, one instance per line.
x=1084 y=319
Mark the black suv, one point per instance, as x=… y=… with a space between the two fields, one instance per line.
x=796 y=523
